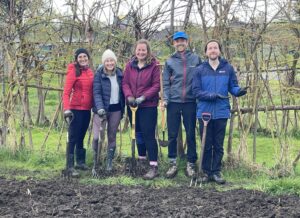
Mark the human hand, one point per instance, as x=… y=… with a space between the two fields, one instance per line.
x=243 y=91
x=140 y=100
x=101 y=112
x=131 y=101
x=68 y=116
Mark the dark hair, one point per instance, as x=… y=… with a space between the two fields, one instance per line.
x=213 y=40
x=77 y=53
x=149 y=54
x=77 y=69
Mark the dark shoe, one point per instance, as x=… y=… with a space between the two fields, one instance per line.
x=190 y=169
x=152 y=173
x=218 y=179
x=80 y=159
x=205 y=178
x=110 y=157
x=71 y=171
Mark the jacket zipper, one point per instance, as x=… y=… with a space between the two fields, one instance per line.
x=184 y=77
x=136 y=84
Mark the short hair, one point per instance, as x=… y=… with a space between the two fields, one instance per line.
x=213 y=40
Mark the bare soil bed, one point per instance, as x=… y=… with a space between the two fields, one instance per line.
x=61 y=198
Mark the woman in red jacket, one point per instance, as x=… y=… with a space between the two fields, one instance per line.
x=141 y=85
x=77 y=102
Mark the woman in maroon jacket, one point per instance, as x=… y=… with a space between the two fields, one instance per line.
x=77 y=102
x=141 y=85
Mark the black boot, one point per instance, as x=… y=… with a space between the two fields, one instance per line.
x=110 y=157
x=80 y=159
x=72 y=172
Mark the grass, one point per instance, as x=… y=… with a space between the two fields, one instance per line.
x=48 y=161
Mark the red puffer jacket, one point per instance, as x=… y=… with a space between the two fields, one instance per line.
x=78 y=91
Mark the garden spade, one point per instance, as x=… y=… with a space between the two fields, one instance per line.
x=97 y=153
x=162 y=143
x=67 y=173
x=132 y=167
x=198 y=177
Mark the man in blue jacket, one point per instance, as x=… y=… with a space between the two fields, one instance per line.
x=179 y=101
x=211 y=83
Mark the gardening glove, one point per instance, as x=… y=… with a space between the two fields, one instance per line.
x=243 y=91
x=222 y=96
x=101 y=113
x=140 y=100
x=68 y=115
x=131 y=101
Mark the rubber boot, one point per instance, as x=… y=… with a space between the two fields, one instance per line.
x=80 y=159
x=72 y=171
x=110 y=157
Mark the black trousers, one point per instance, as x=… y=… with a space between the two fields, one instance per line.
x=145 y=125
x=214 y=151
x=78 y=128
x=188 y=113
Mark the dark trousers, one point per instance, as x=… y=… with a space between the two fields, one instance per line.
x=78 y=128
x=188 y=113
x=145 y=123
x=214 y=151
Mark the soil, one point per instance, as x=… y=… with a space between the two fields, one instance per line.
x=68 y=198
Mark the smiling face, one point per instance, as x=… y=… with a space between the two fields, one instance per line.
x=180 y=44
x=109 y=64
x=83 y=60
x=141 y=52
x=213 y=50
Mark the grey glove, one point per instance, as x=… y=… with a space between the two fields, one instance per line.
x=68 y=115
x=101 y=112
x=140 y=100
x=131 y=101
x=222 y=96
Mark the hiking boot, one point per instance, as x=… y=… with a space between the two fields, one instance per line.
x=152 y=173
x=80 y=159
x=218 y=179
x=190 y=169
x=110 y=157
x=172 y=171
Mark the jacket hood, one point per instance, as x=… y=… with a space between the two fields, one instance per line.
x=133 y=62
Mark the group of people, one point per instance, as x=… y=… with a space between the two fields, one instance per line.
x=191 y=87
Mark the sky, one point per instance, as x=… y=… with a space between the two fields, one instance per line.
x=243 y=13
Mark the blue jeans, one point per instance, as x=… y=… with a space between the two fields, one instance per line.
x=188 y=113
x=214 y=151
